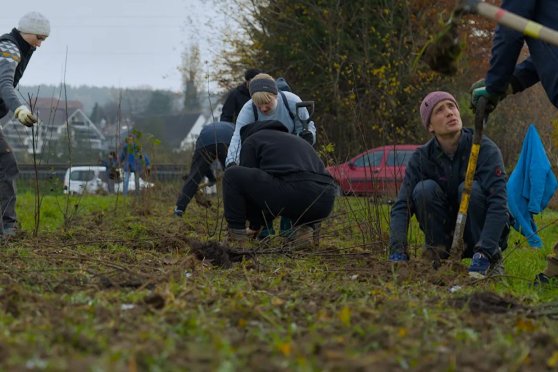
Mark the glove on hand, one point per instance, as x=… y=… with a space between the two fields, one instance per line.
x=478 y=89
x=25 y=116
x=307 y=136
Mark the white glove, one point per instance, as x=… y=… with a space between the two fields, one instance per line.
x=25 y=116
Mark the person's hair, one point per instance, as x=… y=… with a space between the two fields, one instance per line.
x=250 y=73
x=263 y=98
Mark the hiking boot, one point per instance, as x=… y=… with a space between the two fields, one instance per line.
x=302 y=237
x=238 y=235
x=398 y=257
x=479 y=266
x=266 y=233
x=178 y=212
x=541 y=279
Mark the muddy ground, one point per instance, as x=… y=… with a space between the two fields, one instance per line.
x=137 y=289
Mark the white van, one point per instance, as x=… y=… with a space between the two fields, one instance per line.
x=92 y=179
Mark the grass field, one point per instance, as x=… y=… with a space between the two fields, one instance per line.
x=115 y=283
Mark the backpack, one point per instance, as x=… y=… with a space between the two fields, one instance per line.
x=282 y=86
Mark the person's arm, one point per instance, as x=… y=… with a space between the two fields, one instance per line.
x=9 y=58
x=227 y=113
x=525 y=75
x=492 y=177
x=245 y=116
x=506 y=48
x=248 y=155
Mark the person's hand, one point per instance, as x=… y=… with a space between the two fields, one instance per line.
x=25 y=116
x=478 y=90
x=307 y=136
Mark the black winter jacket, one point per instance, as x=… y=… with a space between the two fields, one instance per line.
x=234 y=103
x=430 y=162
x=267 y=145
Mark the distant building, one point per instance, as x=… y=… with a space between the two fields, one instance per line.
x=58 y=122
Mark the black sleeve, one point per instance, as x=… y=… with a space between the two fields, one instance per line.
x=228 y=111
x=249 y=154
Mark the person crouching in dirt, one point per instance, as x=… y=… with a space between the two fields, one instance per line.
x=269 y=103
x=279 y=174
x=133 y=160
x=212 y=143
x=433 y=186
x=16 y=49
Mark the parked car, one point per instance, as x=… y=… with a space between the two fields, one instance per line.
x=378 y=171
x=93 y=179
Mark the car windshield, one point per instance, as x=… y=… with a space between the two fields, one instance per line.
x=398 y=158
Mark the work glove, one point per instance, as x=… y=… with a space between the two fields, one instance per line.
x=25 y=116
x=478 y=89
x=307 y=136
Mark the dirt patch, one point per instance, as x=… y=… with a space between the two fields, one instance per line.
x=487 y=303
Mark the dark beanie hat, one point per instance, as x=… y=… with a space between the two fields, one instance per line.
x=250 y=73
x=263 y=85
x=431 y=100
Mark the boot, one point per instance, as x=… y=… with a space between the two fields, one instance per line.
x=238 y=235
x=302 y=237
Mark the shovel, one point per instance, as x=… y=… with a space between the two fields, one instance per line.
x=481 y=116
x=442 y=52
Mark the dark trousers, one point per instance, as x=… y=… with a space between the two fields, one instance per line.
x=201 y=167
x=8 y=173
x=437 y=218
x=254 y=195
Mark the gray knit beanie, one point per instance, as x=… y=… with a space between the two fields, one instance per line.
x=263 y=85
x=34 y=23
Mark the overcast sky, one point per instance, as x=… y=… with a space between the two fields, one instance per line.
x=120 y=43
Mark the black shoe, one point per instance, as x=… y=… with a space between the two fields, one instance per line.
x=178 y=212
x=541 y=279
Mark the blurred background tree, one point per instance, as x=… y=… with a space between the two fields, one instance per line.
x=359 y=61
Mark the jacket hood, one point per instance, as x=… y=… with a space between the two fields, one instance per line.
x=247 y=130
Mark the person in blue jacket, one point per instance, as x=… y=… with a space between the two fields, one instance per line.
x=433 y=185
x=212 y=143
x=504 y=75
x=133 y=160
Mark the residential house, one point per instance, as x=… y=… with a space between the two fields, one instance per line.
x=58 y=122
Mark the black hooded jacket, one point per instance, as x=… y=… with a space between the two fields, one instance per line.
x=234 y=103
x=267 y=145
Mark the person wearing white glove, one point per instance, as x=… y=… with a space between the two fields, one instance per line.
x=25 y=116
x=16 y=49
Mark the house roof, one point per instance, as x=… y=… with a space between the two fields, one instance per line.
x=55 y=111
x=170 y=129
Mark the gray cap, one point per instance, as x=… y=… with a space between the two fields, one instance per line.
x=34 y=23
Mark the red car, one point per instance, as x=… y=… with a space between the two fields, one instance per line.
x=378 y=171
